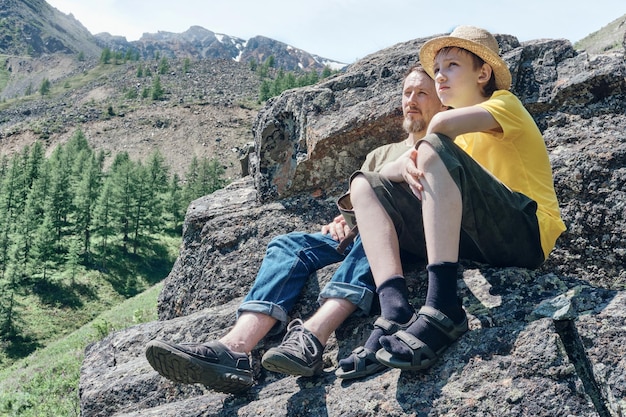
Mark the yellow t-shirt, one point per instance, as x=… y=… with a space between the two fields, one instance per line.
x=517 y=156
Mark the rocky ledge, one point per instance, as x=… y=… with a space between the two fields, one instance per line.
x=542 y=343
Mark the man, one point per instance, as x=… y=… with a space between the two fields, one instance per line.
x=224 y=365
x=478 y=186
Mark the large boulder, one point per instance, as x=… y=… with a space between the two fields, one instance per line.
x=547 y=342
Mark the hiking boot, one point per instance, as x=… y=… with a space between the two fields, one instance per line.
x=211 y=364
x=300 y=353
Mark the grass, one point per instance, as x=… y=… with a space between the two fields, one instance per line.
x=608 y=38
x=46 y=310
x=46 y=382
x=98 y=72
x=57 y=318
x=4 y=74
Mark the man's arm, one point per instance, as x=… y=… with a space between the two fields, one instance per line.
x=393 y=170
x=338 y=228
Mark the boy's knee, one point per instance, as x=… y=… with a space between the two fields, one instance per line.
x=426 y=154
x=360 y=189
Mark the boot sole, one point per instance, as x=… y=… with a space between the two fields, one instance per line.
x=179 y=366
x=277 y=362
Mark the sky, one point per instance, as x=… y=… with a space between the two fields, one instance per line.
x=345 y=30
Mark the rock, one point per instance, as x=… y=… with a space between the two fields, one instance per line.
x=541 y=343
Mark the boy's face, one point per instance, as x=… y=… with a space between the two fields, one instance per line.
x=419 y=102
x=458 y=82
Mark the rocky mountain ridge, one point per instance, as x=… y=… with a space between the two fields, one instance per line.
x=34 y=28
x=200 y=43
x=542 y=343
x=207 y=111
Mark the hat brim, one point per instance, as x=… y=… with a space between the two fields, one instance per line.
x=500 y=68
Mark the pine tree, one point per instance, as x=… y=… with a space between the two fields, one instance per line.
x=44 y=242
x=87 y=192
x=103 y=218
x=212 y=173
x=28 y=223
x=73 y=257
x=157 y=89
x=122 y=188
x=61 y=189
x=191 y=180
x=105 y=55
x=164 y=66
x=36 y=158
x=12 y=202
x=44 y=88
x=174 y=205
x=8 y=315
x=141 y=198
x=265 y=91
x=158 y=173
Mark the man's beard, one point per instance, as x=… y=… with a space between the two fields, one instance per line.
x=413 y=125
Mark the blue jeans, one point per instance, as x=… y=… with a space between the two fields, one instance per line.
x=292 y=258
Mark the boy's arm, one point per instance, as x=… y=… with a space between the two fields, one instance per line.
x=455 y=122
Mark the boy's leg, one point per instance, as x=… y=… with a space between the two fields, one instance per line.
x=380 y=242
x=378 y=233
x=505 y=218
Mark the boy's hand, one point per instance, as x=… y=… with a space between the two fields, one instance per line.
x=338 y=228
x=412 y=175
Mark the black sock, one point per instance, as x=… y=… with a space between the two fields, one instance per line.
x=442 y=295
x=394 y=306
x=394 y=300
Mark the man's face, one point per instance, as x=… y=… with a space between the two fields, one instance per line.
x=419 y=102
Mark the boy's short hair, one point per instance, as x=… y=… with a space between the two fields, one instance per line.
x=475 y=40
x=477 y=62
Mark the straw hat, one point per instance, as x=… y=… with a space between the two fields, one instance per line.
x=473 y=39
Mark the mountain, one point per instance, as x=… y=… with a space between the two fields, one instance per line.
x=611 y=37
x=34 y=28
x=198 y=42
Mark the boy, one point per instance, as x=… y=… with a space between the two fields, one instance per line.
x=478 y=186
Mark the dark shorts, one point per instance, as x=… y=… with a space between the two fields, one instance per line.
x=498 y=227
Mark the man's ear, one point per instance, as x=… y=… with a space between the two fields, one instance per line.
x=485 y=74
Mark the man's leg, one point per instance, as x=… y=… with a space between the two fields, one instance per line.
x=224 y=365
x=329 y=317
x=249 y=329
x=350 y=288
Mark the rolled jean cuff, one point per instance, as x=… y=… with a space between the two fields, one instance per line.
x=269 y=309
x=359 y=296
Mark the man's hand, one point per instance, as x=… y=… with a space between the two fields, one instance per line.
x=338 y=228
x=411 y=174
